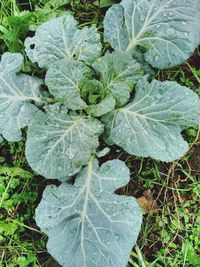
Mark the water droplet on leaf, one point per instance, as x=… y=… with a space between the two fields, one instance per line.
x=142 y=18
x=156 y=58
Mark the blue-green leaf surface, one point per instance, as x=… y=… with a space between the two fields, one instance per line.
x=87 y=224
x=59 y=142
x=118 y=72
x=150 y=125
x=168 y=29
x=59 y=38
x=105 y=106
x=18 y=92
x=64 y=79
x=11 y=63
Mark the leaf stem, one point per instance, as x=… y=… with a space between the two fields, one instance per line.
x=26 y=226
x=51 y=100
x=132 y=44
x=4 y=193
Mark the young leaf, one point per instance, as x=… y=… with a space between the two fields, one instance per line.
x=102 y=153
x=119 y=72
x=105 y=106
x=59 y=38
x=169 y=30
x=17 y=92
x=64 y=79
x=87 y=224
x=92 y=91
x=150 y=125
x=59 y=142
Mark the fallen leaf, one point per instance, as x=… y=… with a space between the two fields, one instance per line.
x=147 y=203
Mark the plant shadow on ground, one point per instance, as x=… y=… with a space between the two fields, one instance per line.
x=168 y=192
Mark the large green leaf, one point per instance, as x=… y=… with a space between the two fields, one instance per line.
x=59 y=142
x=150 y=125
x=64 y=80
x=87 y=224
x=119 y=72
x=168 y=29
x=59 y=38
x=11 y=63
x=17 y=93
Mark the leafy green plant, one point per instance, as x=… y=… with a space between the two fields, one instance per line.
x=89 y=96
x=17 y=29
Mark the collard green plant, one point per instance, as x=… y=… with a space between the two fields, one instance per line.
x=95 y=98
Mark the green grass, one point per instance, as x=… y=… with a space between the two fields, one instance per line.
x=19 y=244
x=169 y=237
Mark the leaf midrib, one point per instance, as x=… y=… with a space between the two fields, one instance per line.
x=63 y=136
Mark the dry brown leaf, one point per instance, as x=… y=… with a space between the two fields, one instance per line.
x=147 y=203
